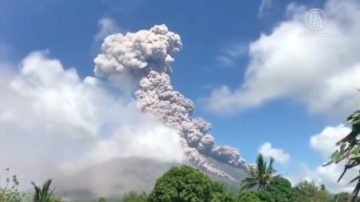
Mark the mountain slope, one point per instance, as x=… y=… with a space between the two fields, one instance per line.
x=117 y=176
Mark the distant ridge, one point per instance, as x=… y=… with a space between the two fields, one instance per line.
x=118 y=176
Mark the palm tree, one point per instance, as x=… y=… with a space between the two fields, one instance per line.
x=260 y=175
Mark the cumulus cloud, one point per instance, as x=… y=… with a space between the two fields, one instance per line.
x=45 y=108
x=278 y=154
x=149 y=140
x=135 y=141
x=50 y=93
x=325 y=143
x=320 y=70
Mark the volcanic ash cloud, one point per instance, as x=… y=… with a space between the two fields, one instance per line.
x=146 y=56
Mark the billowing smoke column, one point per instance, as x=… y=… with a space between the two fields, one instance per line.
x=146 y=55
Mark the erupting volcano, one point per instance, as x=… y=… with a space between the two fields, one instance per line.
x=146 y=57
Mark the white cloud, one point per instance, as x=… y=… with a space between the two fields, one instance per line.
x=45 y=97
x=226 y=61
x=107 y=26
x=325 y=143
x=231 y=53
x=264 y=6
x=304 y=174
x=278 y=154
x=49 y=116
x=321 y=72
x=149 y=140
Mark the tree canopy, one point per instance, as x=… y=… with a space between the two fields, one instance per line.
x=260 y=175
x=182 y=184
x=311 y=192
x=280 y=190
x=134 y=197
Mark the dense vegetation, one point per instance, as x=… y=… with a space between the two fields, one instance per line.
x=187 y=184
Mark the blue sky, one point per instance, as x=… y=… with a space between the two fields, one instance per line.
x=216 y=37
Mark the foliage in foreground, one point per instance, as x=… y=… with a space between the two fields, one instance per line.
x=187 y=184
x=44 y=193
x=182 y=184
x=220 y=194
x=260 y=175
x=349 y=151
x=280 y=190
x=134 y=197
x=9 y=192
x=249 y=197
x=311 y=192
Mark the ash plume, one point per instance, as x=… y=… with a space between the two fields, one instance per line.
x=146 y=56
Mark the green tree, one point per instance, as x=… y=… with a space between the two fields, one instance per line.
x=260 y=176
x=280 y=190
x=349 y=151
x=10 y=192
x=220 y=194
x=249 y=197
x=310 y=192
x=44 y=193
x=134 y=197
x=182 y=184
x=101 y=199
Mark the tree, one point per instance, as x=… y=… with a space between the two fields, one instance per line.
x=220 y=194
x=280 y=190
x=260 y=176
x=249 y=197
x=311 y=192
x=134 y=197
x=101 y=199
x=182 y=184
x=349 y=151
x=44 y=193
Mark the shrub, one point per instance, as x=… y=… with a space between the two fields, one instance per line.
x=134 y=197
x=249 y=197
x=10 y=192
x=44 y=193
